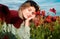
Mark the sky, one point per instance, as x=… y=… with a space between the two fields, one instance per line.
x=44 y=5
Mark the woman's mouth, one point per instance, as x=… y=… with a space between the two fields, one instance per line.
x=29 y=16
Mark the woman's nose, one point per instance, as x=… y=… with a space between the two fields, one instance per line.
x=29 y=13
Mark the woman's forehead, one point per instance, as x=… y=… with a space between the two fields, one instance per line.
x=31 y=8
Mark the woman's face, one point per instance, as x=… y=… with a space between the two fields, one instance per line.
x=28 y=12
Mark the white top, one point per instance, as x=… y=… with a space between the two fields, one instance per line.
x=21 y=33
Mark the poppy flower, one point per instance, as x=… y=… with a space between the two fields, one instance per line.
x=48 y=19
x=54 y=18
x=43 y=12
x=37 y=13
x=53 y=10
x=36 y=22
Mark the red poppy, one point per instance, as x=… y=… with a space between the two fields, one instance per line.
x=43 y=12
x=37 y=13
x=48 y=19
x=54 y=18
x=36 y=21
x=53 y=10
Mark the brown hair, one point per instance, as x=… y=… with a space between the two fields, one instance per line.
x=27 y=4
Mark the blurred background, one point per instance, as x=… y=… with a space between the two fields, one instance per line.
x=44 y=5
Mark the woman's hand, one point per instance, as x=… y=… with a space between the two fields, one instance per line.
x=31 y=17
x=28 y=20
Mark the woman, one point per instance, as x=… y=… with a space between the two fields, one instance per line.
x=26 y=13
x=20 y=27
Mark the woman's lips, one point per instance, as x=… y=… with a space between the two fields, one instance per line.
x=29 y=16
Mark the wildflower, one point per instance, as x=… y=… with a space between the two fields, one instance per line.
x=54 y=18
x=43 y=12
x=48 y=19
x=37 y=13
x=53 y=10
x=36 y=21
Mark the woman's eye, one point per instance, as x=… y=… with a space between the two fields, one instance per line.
x=32 y=12
x=29 y=9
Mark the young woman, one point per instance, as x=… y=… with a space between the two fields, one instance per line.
x=21 y=24
x=26 y=13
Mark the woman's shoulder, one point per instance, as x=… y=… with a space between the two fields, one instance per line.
x=18 y=22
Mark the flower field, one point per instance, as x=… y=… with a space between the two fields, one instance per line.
x=46 y=29
x=42 y=26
